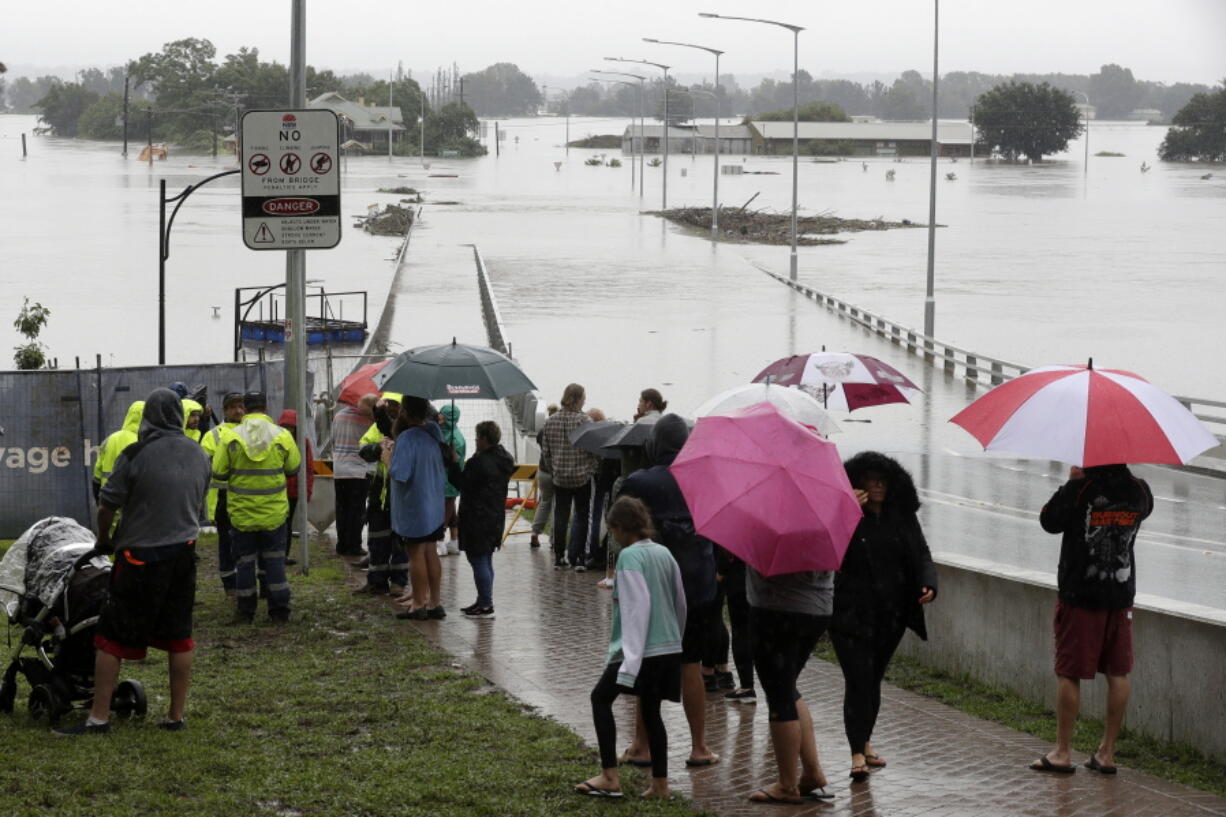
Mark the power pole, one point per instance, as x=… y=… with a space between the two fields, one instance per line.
x=126 y=83
x=295 y=292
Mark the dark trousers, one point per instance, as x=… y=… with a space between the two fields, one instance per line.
x=483 y=577
x=782 y=644
x=266 y=547
x=603 y=695
x=389 y=564
x=864 y=661
x=350 y=514
x=225 y=547
x=595 y=545
x=742 y=639
x=564 y=499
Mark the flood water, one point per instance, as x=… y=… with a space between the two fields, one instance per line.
x=1035 y=265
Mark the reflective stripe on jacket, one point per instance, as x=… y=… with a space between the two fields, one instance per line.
x=254 y=463
x=114 y=445
x=214 y=439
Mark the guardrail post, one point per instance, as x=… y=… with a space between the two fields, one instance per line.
x=950 y=360
x=997 y=374
x=911 y=343
x=972 y=372
x=896 y=333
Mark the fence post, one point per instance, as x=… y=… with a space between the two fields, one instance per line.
x=972 y=372
x=997 y=373
x=949 y=359
x=911 y=342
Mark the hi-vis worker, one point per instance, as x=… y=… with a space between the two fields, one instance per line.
x=253 y=463
x=214 y=439
x=191 y=418
x=114 y=445
x=389 y=562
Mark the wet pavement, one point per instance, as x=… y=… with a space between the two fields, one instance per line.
x=547 y=645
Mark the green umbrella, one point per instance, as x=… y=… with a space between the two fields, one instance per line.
x=454 y=370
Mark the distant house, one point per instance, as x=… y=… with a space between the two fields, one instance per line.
x=687 y=139
x=368 y=124
x=864 y=138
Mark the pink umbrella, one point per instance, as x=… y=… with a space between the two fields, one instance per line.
x=842 y=380
x=1086 y=416
x=769 y=490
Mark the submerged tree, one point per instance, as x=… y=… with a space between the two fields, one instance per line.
x=30 y=322
x=1022 y=119
x=1199 y=130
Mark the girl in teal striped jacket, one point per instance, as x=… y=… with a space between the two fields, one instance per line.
x=644 y=657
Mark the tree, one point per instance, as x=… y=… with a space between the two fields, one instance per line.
x=24 y=93
x=1199 y=131
x=501 y=90
x=63 y=105
x=451 y=128
x=183 y=77
x=1114 y=92
x=30 y=322
x=809 y=112
x=1019 y=118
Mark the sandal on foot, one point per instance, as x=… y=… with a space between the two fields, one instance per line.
x=859 y=773
x=638 y=762
x=874 y=761
x=816 y=793
x=703 y=761
x=1045 y=765
x=596 y=791
x=1094 y=765
x=764 y=796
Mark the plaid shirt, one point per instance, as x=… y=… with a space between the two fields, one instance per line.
x=569 y=466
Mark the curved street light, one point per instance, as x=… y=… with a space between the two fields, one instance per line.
x=664 y=68
x=795 y=112
x=717 y=53
x=642 y=139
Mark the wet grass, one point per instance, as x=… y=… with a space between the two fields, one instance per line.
x=344 y=711
x=1177 y=762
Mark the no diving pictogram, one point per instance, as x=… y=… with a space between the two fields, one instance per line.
x=290 y=163
x=321 y=163
x=259 y=164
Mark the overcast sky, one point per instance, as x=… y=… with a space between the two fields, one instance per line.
x=1164 y=40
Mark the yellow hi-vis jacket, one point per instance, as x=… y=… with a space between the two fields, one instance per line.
x=114 y=445
x=374 y=435
x=215 y=438
x=188 y=407
x=254 y=463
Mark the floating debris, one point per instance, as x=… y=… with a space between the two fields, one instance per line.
x=764 y=227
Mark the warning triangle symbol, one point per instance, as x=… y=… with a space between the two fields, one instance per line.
x=264 y=235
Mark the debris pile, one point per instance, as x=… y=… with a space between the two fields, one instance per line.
x=391 y=220
x=768 y=227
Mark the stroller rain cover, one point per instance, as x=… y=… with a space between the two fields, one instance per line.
x=39 y=563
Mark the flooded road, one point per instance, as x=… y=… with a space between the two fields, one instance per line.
x=1036 y=265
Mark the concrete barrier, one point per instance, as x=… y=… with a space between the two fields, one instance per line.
x=994 y=623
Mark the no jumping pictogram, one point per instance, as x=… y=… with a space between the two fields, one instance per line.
x=290 y=163
x=321 y=163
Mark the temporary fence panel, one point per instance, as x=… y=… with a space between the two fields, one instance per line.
x=54 y=421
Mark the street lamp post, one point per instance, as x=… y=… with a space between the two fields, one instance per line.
x=795 y=115
x=628 y=85
x=930 y=304
x=642 y=138
x=715 y=196
x=664 y=68
x=1085 y=172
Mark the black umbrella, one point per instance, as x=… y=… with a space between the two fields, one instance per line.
x=637 y=434
x=593 y=437
x=455 y=371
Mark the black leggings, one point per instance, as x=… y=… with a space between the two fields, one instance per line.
x=715 y=651
x=782 y=643
x=864 y=661
x=603 y=695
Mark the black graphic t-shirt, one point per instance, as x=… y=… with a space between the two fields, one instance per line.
x=1099 y=516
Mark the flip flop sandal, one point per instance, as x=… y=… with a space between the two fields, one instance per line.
x=874 y=761
x=1045 y=765
x=819 y=793
x=859 y=774
x=763 y=796
x=706 y=761
x=1094 y=765
x=637 y=762
x=596 y=791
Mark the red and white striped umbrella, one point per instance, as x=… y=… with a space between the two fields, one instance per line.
x=841 y=380
x=1086 y=416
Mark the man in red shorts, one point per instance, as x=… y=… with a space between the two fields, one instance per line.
x=1098 y=511
x=159 y=482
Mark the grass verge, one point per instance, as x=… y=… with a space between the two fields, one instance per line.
x=1177 y=762
x=344 y=711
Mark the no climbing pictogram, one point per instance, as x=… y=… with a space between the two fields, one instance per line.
x=321 y=163
x=290 y=164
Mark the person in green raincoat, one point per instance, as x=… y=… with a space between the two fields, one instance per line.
x=448 y=421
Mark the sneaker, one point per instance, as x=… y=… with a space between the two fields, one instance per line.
x=605 y=584
x=536 y=541
x=436 y=613
x=468 y=610
x=440 y=548
x=724 y=680
x=420 y=614
x=741 y=696
x=479 y=612
x=453 y=547
x=172 y=726
x=559 y=563
x=580 y=568
x=84 y=728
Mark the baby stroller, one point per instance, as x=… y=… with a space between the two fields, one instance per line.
x=54 y=604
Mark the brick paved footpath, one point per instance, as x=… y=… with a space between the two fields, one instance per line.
x=547 y=646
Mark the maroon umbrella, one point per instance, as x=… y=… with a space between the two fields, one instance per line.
x=842 y=380
x=360 y=383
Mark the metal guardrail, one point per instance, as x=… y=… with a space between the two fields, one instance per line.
x=521 y=406
x=973 y=367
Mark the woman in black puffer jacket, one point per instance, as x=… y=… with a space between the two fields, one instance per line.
x=886 y=577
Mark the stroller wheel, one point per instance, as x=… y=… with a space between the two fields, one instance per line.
x=45 y=702
x=129 y=699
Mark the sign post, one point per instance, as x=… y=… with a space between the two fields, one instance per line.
x=291 y=182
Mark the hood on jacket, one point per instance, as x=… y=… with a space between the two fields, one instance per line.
x=451 y=416
x=900 y=494
x=289 y=417
x=668 y=435
x=190 y=405
x=131 y=420
x=256 y=434
x=502 y=458
x=162 y=416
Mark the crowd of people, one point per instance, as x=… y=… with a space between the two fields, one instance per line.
x=401 y=475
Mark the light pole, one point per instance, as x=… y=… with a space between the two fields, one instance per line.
x=715 y=196
x=628 y=85
x=642 y=137
x=664 y=68
x=795 y=114
x=1086 y=113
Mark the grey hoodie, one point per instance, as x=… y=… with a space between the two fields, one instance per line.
x=160 y=482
